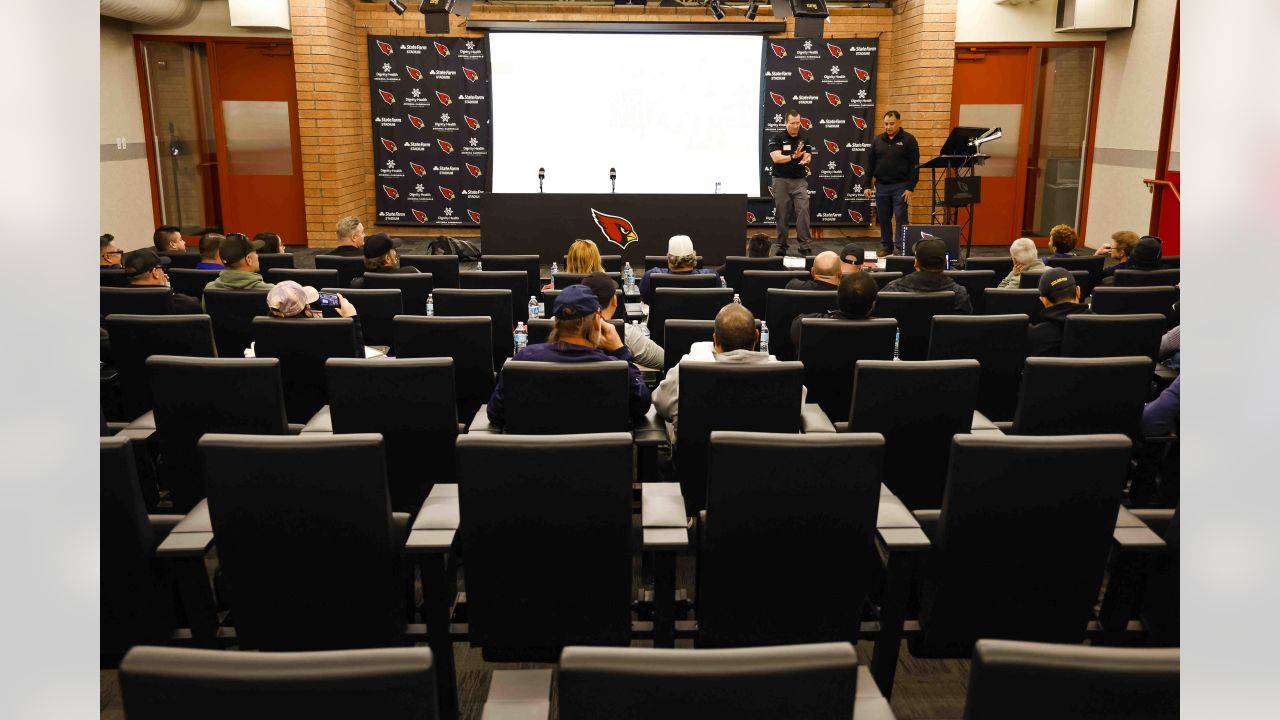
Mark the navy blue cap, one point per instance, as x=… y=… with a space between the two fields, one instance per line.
x=574 y=302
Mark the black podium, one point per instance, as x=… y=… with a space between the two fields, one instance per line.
x=954 y=185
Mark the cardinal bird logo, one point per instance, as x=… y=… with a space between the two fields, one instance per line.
x=384 y=47
x=445 y=192
x=472 y=123
x=475 y=171
x=445 y=145
x=472 y=75
x=444 y=99
x=835 y=50
x=806 y=123
x=863 y=75
x=777 y=99
x=862 y=124
x=390 y=146
x=831 y=147
x=419 y=215
x=475 y=216
x=805 y=75
x=857 y=169
x=751 y=217
x=855 y=216
x=834 y=99
x=414 y=72
x=417 y=122
x=418 y=169
x=778 y=50
x=442 y=49
x=391 y=192
x=387 y=97
x=831 y=194
x=617 y=229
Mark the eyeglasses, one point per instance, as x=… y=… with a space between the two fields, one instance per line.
x=113 y=252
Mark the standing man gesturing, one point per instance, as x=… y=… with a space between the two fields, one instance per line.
x=789 y=151
x=894 y=167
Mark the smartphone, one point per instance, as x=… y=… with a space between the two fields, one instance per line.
x=329 y=300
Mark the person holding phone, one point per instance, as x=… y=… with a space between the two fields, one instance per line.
x=288 y=299
x=791 y=154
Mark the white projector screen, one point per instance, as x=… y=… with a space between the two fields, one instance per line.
x=673 y=113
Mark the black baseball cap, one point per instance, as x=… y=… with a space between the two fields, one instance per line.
x=236 y=247
x=379 y=244
x=851 y=254
x=931 y=253
x=138 y=262
x=574 y=302
x=602 y=286
x=1056 y=282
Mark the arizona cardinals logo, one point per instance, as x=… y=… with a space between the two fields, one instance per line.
x=834 y=99
x=442 y=49
x=834 y=50
x=472 y=123
x=419 y=215
x=863 y=75
x=444 y=99
x=475 y=171
x=751 y=217
x=445 y=145
x=831 y=147
x=390 y=146
x=445 y=192
x=418 y=169
x=778 y=50
x=862 y=124
x=387 y=97
x=831 y=194
x=414 y=72
x=805 y=75
x=857 y=169
x=416 y=121
x=777 y=99
x=855 y=216
x=391 y=192
x=475 y=216
x=617 y=229
x=384 y=47
x=472 y=75
x=806 y=123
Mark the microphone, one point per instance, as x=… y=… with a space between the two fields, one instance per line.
x=542 y=172
x=613 y=180
x=613 y=174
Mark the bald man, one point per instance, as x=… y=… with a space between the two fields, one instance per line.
x=825 y=274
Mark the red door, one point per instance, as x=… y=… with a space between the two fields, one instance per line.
x=259 y=160
x=991 y=87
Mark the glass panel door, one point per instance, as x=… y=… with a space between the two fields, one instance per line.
x=1059 y=141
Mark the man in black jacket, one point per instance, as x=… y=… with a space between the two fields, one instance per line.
x=825 y=274
x=380 y=256
x=1061 y=298
x=855 y=299
x=145 y=268
x=894 y=166
x=931 y=260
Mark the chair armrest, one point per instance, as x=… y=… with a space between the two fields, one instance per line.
x=842 y=426
x=813 y=420
x=162 y=525
x=480 y=423
x=983 y=426
x=898 y=528
x=650 y=431
x=141 y=428
x=114 y=427
x=321 y=422
x=146 y=420
x=436 y=525
x=1133 y=535
x=190 y=537
x=1004 y=426
x=928 y=519
x=1158 y=519
x=519 y=695
x=662 y=516
x=868 y=703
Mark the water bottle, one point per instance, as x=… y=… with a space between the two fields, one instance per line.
x=717 y=187
x=644 y=328
x=723 y=284
x=479 y=265
x=628 y=275
x=535 y=309
x=554 y=269
x=764 y=337
x=897 y=337
x=431 y=305
x=521 y=337
x=736 y=299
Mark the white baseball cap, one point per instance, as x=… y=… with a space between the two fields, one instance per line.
x=679 y=246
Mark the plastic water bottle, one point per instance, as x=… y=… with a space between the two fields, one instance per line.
x=717 y=187
x=628 y=275
x=431 y=305
x=521 y=337
x=535 y=308
x=764 y=337
x=644 y=329
x=897 y=337
x=554 y=269
x=736 y=299
x=479 y=265
x=723 y=284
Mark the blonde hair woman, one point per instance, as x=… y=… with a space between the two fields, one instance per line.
x=583 y=257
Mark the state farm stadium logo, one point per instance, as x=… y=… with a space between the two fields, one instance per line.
x=616 y=229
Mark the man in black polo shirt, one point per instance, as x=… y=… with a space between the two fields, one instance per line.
x=894 y=167
x=790 y=152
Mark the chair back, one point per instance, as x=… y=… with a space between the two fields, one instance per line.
x=1001 y=265
x=444 y=268
x=1091 y=263
x=302 y=345
x=190 y=281
x=562 y=280
x=782 y=307
x=1148 y=278
x=884 y=278
x=191 y=399
x=1013 y=301
x=134 y=338
x=495 y=304
x=734 y=265
x=269 y=261
x=914 y=313
x=534 y=512
x=325 y=277
x=828 y=520
x=1031 y=280
x=998 y=343
x=232 y=313
x=514 y=281
x=182 y=259
x=681 y=335
x=543 y=398
x=660 y=261
x=414 y=289
x=1135 y=301
x=527 y=264
x=1078 y=396
x=671 y=303
x=1087 y=335
x=755 y=285
x=610 y=263
x=976 y=282
x=905 y=264
x=1170 y=261
x=135 y=301
x=830 y=350
x=466 y=339
x=289 y=510
x=684 y=280
x=376 y=309
x=540 y=329
x=112 y=277
x=348 y=267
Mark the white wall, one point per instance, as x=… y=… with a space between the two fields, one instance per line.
x=125 y=195
x=985 y=21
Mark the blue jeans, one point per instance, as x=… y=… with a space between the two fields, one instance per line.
x=889 y=207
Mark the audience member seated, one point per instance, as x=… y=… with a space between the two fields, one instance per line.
x=1025 y=257
x=583 y=257
x=350 y=238
x=851 y=256
x=1060 y=296
x=1063 y=239
x=380 y=256
x=579 y=335
x=145 y=268
x=758 y=246
x=273 y=243
x=1121 y=245
x=288 y=299
x=210 y=244
x=1145 y=256
x=108 y=254
x=241 y=259
x=644 y=351
x=824 y=275
x=1171 y=349
x=855 y=300
x=681 y=260
x=168 y=238
x=1160 y=416
x=931 y=261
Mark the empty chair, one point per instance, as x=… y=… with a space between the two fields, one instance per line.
x=826 y=521
x=315 y=278
x=685 y=304
x=347 y=267
x=808 y=681
x=1031 y=279
x=392 y=683
x=376 y=309
x=884 y=278
x=443 y=268
x=514 y=281
x=1013 y=301
x=1134 y=300
x=534 y=512
x=562 y=280
x=976 y=282
x=191 y=398
x=914 y=313
x=782 y=307
x=232 y=313
x=660 y=261
x=112 y=277
x=1010 y=680
x=919 y=407
x=542 y=398
x=998 y=343
x=190 y=281
x=135 y=301
x=495 y=304
x=905 y=264
x=302 y=346
x=1091 y=263
x=414 y=289
x=411 y=403
x=269 y=261
x=1113 y=335
x=467 y=340
x=527 y=264
x=134 y=338
x=287 y=511
x=756 y=285
x=830 y=350
x=1170 y=261
x=1160 y=599
x=1147 y=278
x=182 y=259
x=1076 y=396
x=1001 y=265
x=734 y=265
x=540 y=328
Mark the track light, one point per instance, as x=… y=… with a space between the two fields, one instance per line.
x=716 y=9
x=397 y=6
x=752 y=9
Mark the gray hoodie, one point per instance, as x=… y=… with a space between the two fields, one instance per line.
x=666 y=397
